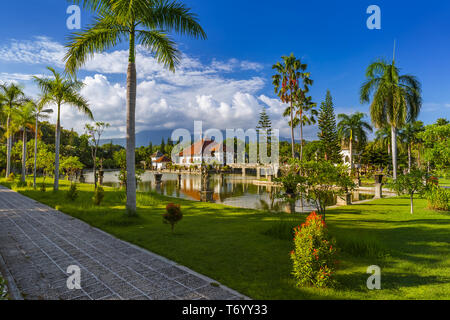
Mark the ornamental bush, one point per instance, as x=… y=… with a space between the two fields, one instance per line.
x=72 y=193
x=99 y=195
x=314 y=255
x=438 y=198
x=173 y=215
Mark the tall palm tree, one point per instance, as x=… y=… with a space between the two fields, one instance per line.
x=305 y=116
x=59 y=91
x=396 y=99
x=144 y=22
x=409 y=136
x=289 y=72
x=352 y=128
x=39 y=113
x=383 y=139
x=23 y=118
x=11 y=98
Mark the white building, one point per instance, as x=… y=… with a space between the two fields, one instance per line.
x=206 y=151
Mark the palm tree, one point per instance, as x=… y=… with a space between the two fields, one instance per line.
x=60 y=91
x=409 y=136
x=383 y=138
x=396 y=99
x=144 y=22
x=39 y=112
x=23 y=118
x=11 y=98
x=352 y=128
x=290 y=71
x=305 y=116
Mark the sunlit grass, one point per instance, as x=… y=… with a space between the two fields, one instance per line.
x=248 y=250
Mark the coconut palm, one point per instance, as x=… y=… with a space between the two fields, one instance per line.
x=409 y=136
x=39 y=113
x=352 y=128
x=383 y=139
x=23 y=118
x=290 y=72
x=305 y=116
x=396 y=99
x=11 y=98
x=59 y=91
x=144 y=22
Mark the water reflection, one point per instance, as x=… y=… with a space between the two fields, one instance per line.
x=231 y=190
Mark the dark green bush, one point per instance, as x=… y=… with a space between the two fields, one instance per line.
x=438 y=198
x=72 y=194
x=99 y=195
x=43 y=187
x=173 y=215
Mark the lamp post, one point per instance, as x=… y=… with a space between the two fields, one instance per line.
x=38 y=113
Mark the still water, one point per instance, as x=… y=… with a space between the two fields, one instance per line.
x=232 y=190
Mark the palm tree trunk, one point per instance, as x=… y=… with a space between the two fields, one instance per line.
x=301 y=136
x=409 y=158
x=24 y=154
x=57 y=144
x=394 y=152
x=412 y=204
x=292 y=131
x=8 y=147
x=35 y=151
x=131 y=134
x=351 y=154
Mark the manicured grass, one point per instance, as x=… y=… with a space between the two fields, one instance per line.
x=444 y=182
x=248 y=250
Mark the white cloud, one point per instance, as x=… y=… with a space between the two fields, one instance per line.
x=165 y=100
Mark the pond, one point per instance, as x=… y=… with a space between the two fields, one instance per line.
x=229 y=189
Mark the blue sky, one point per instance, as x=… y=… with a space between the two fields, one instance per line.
x=226 y=80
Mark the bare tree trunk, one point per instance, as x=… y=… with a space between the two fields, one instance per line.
x=57 y=145
x=394 y=152
x=409 y=158
x=292 y=131
x=131 y=134
x=8 y=147
x=301 y=136
x=24 y=155
x=412 y=204
x=35 y=150
x=351 y=155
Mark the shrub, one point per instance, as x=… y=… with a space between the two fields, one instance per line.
x=11 y=177
x=99 y=195
x=43 y=187
x=72 y=194
x=21 y=184
x=173 y=215
x=314 y=254
x=438 y=198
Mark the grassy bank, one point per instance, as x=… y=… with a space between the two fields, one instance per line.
x=248 y=250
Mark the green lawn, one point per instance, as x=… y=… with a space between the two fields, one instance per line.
x=444 y=182
x=248 y=250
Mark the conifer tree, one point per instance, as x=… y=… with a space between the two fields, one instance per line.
x=328 y=133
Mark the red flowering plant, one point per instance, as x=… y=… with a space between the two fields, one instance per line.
x=173 y=215
x=314 y=255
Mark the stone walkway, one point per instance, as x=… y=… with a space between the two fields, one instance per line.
x=38 y=244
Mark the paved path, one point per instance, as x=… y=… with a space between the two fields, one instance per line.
x=38 y=244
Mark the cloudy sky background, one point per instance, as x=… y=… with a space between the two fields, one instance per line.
x=226 y=80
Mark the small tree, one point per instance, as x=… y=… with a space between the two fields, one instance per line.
x=324 y=181
x=70 y=166
x=173 y=215
x=410 y=184
x=95 y=133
